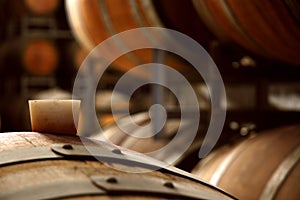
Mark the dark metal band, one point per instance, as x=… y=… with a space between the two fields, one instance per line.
x=68 y=151
x=59 y=151
x=112 y=186
x=26 y=155
x=158 y=186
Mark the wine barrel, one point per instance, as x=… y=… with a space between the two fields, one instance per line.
x=141 y=138
x=20 y=8
x=35 y=56
x=265 y=166
x=41 y=7
x=46 y=166
x=94 y=21
x=40 y=57
x=268 y=28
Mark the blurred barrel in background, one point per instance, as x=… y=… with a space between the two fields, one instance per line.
x=265 y=166
x=21 y=8
x=143 y=140
x=117 y=136
x=28 y=65
x=41 y=7
x=94 y=21
x=267 y=28
x=36 y=56
x=40 y=57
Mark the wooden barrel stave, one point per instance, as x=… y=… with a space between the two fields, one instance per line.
x=247 y=169
x=182 y=16
x=94 y=21
x=113 y=17
x=283 y=37
x=41 y=177
x=266 y=28
x=206 y=168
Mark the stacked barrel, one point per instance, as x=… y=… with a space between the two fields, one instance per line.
x=260 y=36
x=256 y=47
x=36 y=54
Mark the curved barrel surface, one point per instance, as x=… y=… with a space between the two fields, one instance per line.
x=269 y=28
x=43 y=166
x=266 y=166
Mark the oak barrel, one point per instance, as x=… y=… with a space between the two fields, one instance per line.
x=142 y=139
x=264 y=166
x=22 y=8
x=41 y=7
x=96 y=20
x=40 y=57
x=267 y=28
x=36 y=56
x=46 y=166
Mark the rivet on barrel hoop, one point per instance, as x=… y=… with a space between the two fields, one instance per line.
x=67 y=147
x=117 y=151
x=112 y=180
x=169 y=185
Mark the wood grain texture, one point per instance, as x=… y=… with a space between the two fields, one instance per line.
x=267 y=28
x=245 y=168
x=96 y=20
x=22 y=176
